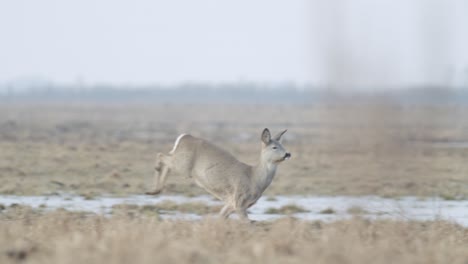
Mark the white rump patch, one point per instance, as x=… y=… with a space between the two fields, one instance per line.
x=177 y=143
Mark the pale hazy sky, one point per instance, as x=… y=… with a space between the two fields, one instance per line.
x=338 y=43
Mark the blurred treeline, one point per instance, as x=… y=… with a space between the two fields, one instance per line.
x=286 y=93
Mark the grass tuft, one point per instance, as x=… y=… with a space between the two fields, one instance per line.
x=328 y=211
x=287 y=209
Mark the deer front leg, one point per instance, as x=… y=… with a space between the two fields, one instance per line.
x=160 y=174
x=226 y=211
x=242 y=213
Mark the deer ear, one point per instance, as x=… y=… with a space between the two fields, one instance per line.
x=266 y=136
x=279 y=135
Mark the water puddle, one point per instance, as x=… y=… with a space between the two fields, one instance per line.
x=452 y=144
x=456 y=145
x=324 y=208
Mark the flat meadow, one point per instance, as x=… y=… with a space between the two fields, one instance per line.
x=371 y=148
x=339 y=148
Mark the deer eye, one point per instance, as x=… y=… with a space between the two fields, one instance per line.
x=274 y=147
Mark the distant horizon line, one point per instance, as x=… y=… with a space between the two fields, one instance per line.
x=36 y=84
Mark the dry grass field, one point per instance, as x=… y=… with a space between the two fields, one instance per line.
x=373 y=147
x=64 y=237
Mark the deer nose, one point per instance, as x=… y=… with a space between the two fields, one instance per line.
x=287 y=156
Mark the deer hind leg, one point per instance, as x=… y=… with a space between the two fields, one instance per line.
x=161 y=170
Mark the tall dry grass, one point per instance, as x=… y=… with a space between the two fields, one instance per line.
x=62 y=237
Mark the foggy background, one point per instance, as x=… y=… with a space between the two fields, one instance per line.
x=302 y=44
x=374 y=94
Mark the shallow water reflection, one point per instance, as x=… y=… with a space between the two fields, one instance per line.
x=325 y=208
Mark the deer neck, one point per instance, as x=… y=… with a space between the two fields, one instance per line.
x=263 y=174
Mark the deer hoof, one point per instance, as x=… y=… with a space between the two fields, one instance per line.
x=156 y=192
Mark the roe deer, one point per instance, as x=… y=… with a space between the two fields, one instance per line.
x=235 y=183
